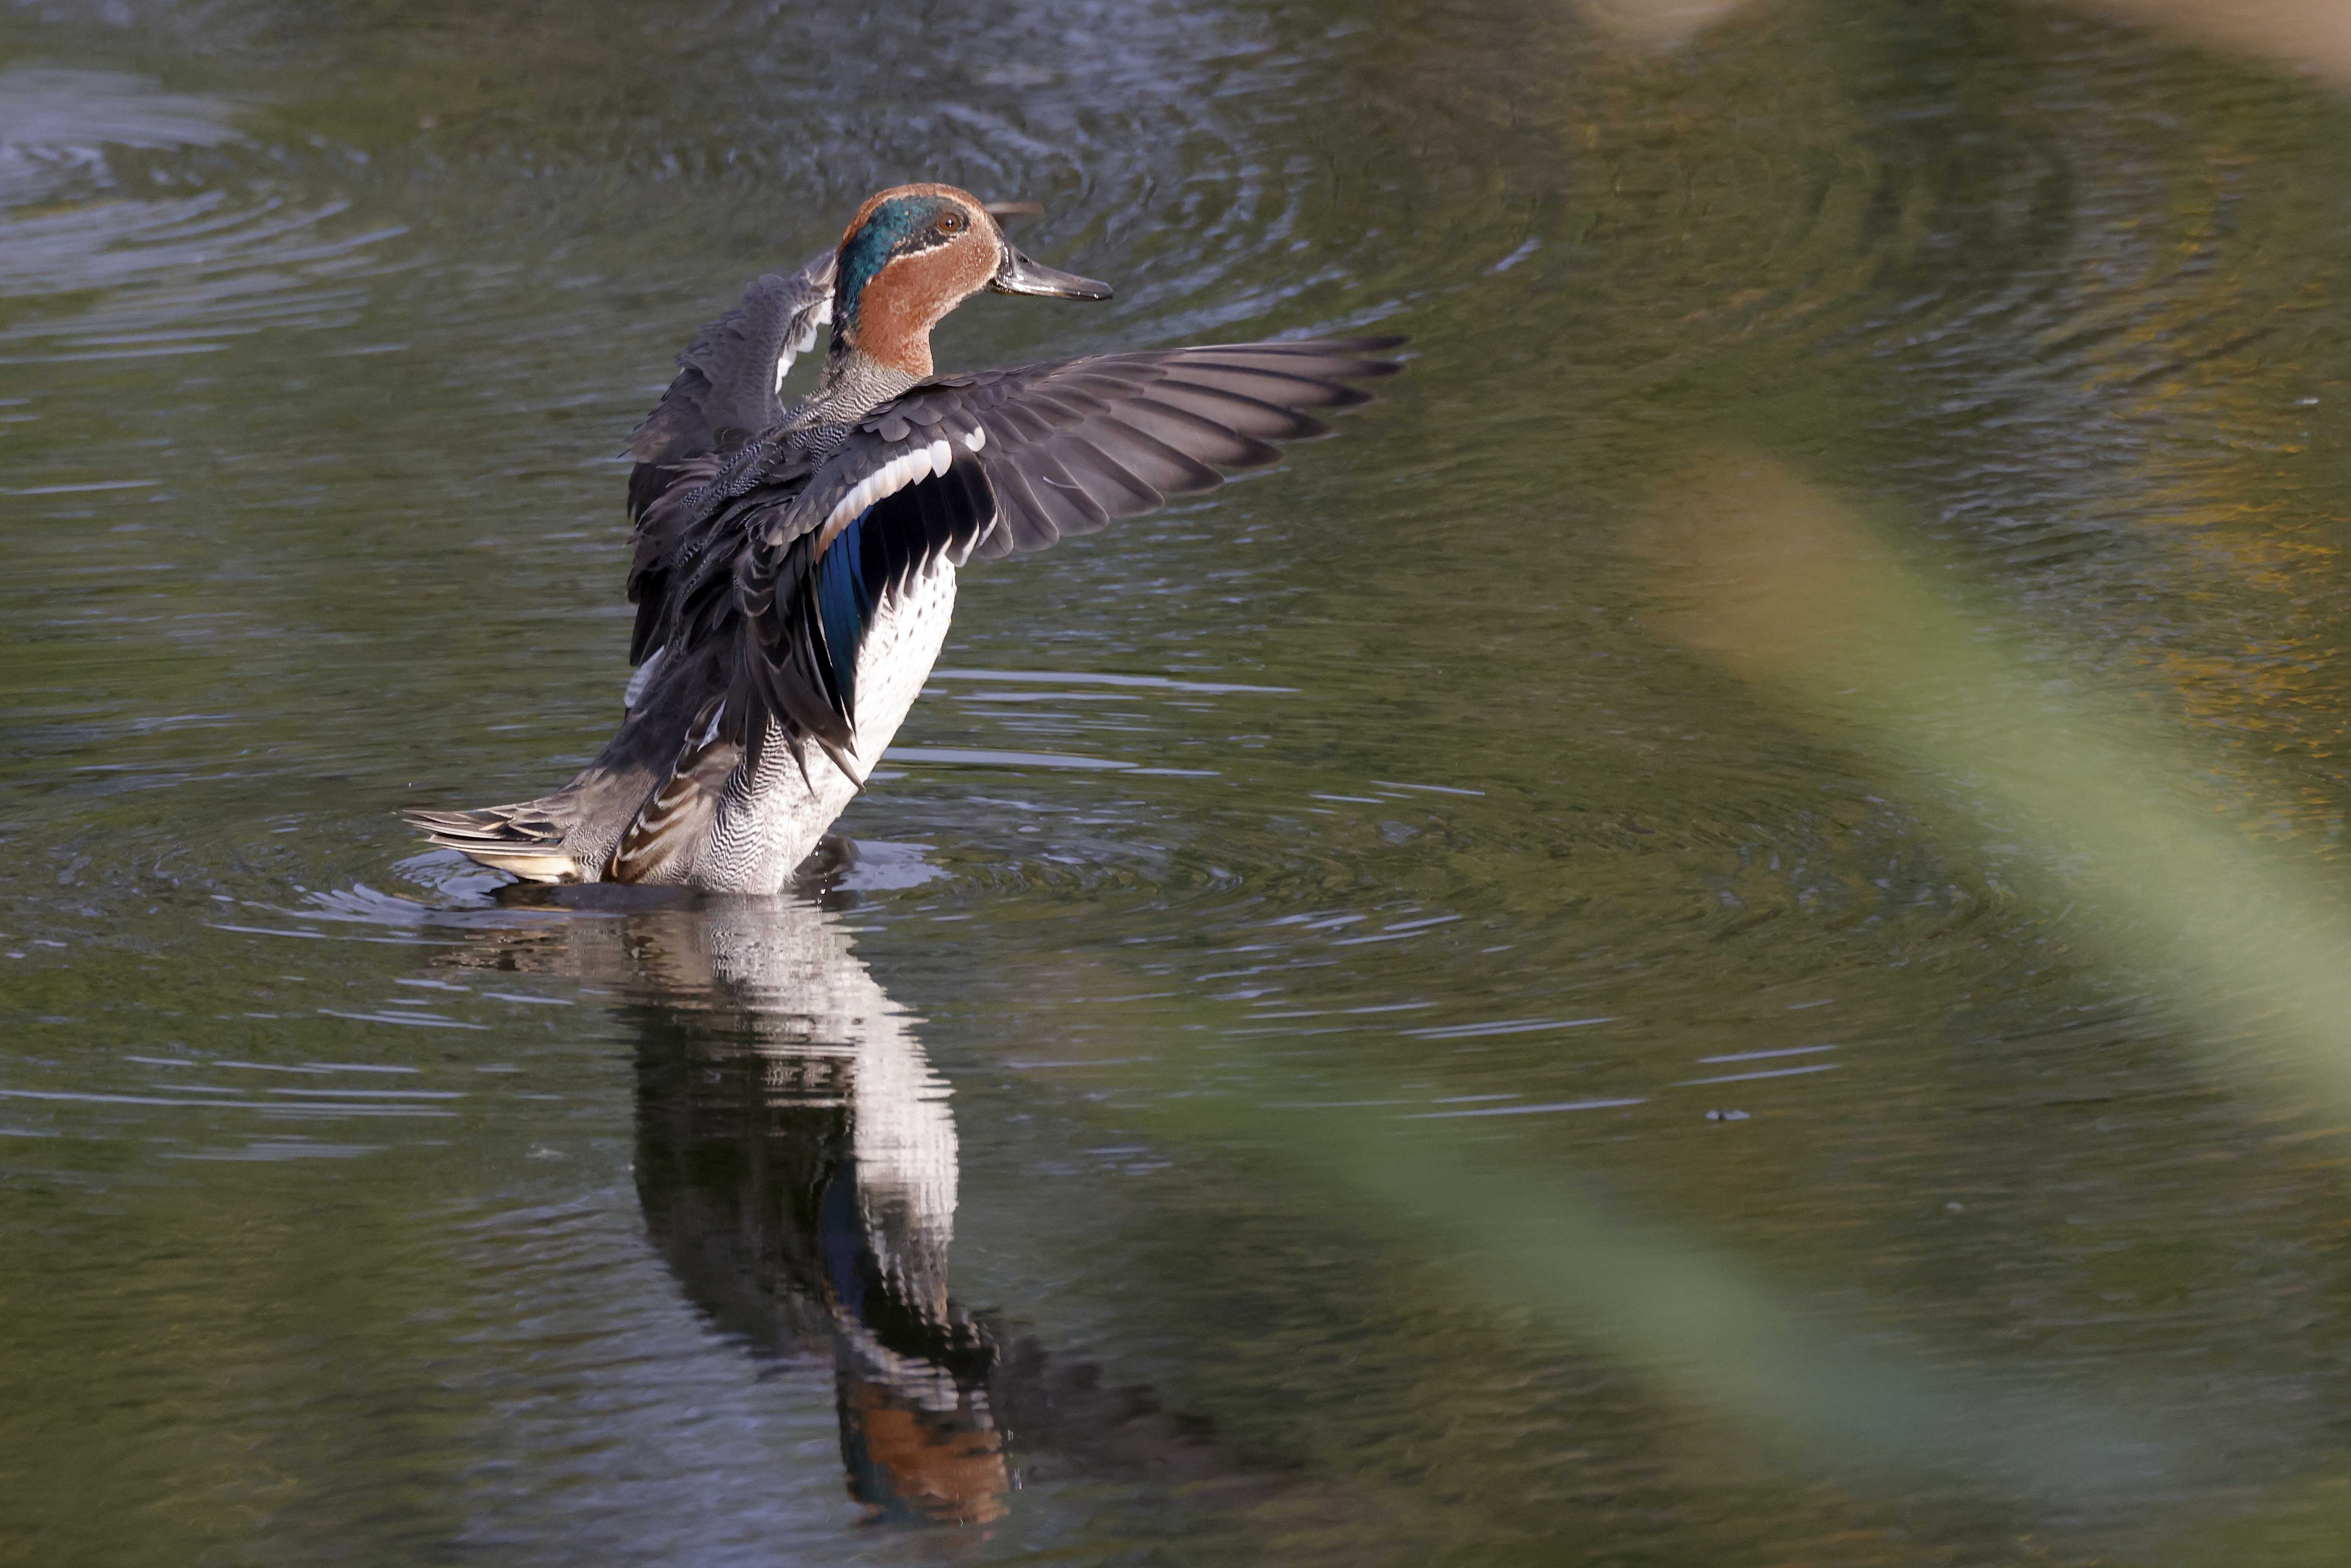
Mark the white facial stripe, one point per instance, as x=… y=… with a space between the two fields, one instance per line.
x=907 y=469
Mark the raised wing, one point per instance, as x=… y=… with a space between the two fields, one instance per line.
x=984 y=464
x=729 y=378
x=727 y=390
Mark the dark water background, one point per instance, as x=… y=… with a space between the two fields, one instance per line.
x=1355 y=814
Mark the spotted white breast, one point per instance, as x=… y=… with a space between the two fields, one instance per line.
x=770 y=818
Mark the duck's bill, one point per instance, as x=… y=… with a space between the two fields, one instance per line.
x=1018 y=275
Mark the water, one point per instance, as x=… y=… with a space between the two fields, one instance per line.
x=1150 y=1136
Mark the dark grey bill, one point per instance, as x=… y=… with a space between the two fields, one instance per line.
x=1018 y=275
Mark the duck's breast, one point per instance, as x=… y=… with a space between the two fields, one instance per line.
x=771 y=819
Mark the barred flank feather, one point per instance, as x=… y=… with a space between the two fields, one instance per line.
x=675 y=823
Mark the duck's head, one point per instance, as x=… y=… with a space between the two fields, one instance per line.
x=913 y=253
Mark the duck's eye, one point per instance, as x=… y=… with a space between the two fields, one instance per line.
x=953 y=222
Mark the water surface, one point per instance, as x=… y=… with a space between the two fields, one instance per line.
x=990 y=1198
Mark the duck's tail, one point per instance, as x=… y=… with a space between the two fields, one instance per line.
x=573 y=834
x=525 y=839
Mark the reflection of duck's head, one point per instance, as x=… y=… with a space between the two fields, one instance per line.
x=914 y=1464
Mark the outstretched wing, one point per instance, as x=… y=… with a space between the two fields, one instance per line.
x=773 y=590
x=981 y=465
x=727 y=390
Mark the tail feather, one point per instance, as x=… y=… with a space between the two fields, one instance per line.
x=521 y=838
x=572 y=835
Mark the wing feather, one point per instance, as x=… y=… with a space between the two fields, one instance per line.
x=1110 y=484
x=1024 y=521
x=795 y=566
x=726 y=393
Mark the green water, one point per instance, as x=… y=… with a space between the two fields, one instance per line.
x=1252 y=1057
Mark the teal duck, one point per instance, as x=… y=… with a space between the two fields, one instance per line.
x=794 y=569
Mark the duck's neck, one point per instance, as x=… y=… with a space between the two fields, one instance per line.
x=856 y=382
x=889 y=316
x=887 y=333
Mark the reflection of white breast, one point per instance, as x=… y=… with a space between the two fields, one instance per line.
x=793 y=966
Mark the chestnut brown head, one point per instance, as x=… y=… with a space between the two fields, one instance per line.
x=913 y=253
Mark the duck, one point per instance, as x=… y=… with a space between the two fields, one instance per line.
x=794 y=568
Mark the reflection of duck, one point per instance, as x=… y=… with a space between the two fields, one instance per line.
x=796 y=1161
x=797 y=1165
x=794 y=569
